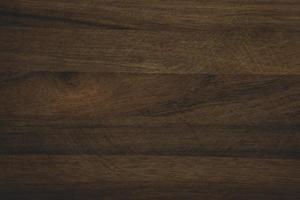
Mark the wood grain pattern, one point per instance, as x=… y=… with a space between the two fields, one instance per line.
x=230 y=141
x=118 y=99
x=140 y=177
x=161 y=37
x=74 y=124
x=149 y=99
x=163 y=15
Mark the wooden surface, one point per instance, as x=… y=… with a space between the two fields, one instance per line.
x=149 y=99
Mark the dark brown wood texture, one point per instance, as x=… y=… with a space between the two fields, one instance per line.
x=149 y=99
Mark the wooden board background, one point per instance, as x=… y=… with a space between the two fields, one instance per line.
x=149 y=99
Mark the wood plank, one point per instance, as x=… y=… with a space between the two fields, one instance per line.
x=95 y=99
x=229 y=141
x=144 y=177
x=219 y=37
x=162 y=15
